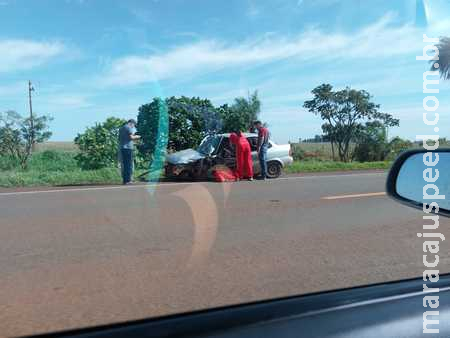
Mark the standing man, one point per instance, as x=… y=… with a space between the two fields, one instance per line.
x=126 y=145
x=263 y=145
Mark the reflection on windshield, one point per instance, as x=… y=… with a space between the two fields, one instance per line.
x=209 y=145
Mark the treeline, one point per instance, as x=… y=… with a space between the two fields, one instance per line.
x=355 y=127
x=170 y=124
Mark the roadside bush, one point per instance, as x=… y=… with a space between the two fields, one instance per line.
x=297 y=153
x=397 y=146
x=99 y=145
x=371 y=143
x=8 y=163
x=371 y=152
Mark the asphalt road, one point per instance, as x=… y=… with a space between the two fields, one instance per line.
x=90 y=256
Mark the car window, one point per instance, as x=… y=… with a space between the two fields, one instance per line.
x=119 y=200
x=227 y=150
x=210 y=144
x=253 y=143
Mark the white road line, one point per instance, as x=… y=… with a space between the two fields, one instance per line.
x=370 y=194
x=134 y=187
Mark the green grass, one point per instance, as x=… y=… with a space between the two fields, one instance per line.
x=59 y=168
x=49 y=160
x=55 y=168
x=320 y=166
x=59 y=178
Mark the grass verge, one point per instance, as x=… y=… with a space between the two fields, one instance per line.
x=321 y=166
x=59 y=168
x=59 y=178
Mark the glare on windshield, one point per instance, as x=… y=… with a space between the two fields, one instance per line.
x=209 y=145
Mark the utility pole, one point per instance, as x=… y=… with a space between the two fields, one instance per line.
x=31 y=89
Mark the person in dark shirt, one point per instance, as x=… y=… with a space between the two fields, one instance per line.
x=263 y=145
x=126 y=147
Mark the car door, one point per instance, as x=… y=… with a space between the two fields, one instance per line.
x=227 y=153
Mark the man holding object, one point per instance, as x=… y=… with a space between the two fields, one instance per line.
x=263 y=145
x=126 y=146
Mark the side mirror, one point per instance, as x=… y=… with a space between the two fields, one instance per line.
x=421 y=179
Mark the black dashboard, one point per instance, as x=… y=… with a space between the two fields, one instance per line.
x=383 y=310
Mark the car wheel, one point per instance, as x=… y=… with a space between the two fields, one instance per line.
x=273 y=169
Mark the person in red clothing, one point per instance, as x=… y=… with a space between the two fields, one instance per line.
x=244 y=162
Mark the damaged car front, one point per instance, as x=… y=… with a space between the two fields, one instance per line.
x=191 y=163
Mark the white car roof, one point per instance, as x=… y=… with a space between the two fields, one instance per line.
x=245 y=134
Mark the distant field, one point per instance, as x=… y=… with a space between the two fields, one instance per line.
x=316 y=150
x=66 y=146
x=323 y=148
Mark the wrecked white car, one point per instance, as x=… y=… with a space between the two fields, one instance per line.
x=216 y=150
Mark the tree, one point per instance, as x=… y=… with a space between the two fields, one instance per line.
x=242 y=113
x=345 y=113
x=99 y=145
x=15 y=135
x=152 y=126
x=233 y=120
x=187 y=122
x=444 y=58
x=371 y=143
x=398 y=145
x=317 y=139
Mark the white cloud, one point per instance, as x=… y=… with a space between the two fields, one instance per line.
x=381 y=39
x=25 y=54
x=67 y=101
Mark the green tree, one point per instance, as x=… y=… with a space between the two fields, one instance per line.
x=242 y=113
x=187 y=121
x=99 y=144
x=345 y=113
x=371 y=143
x=233 y=119
x=152 y=127
x=397 y=145
x=15 y=135
x=187 y=124
x=444 y=58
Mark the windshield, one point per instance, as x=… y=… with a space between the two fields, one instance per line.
x=109 y=214
x=209 y=145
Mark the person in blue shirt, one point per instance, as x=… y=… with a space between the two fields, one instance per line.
x=262 y=147
x=126 y=146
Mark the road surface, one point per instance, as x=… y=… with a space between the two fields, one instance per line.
x=91 y=256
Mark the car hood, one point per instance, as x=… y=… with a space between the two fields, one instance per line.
x=184 y=156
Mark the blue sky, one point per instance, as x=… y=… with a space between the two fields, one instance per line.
x=90 y=59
